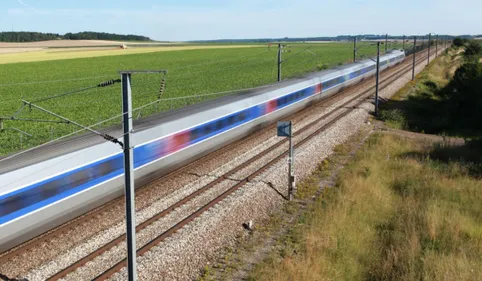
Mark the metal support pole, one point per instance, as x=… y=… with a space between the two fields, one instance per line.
x=436 y=45
x=428 y=55
x=291 y=178
x=378 y=77
x=354 y=49
x=403 y=43
x=386 y=42
x=129 y=176
x=414 y=52
x=279 y=62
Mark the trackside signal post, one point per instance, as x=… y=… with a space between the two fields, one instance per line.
x=285 y=130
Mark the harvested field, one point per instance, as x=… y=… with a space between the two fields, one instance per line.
x=60 y=43
x=12 y=55
x=18 y=50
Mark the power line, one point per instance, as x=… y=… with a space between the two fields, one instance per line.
x=53 y=81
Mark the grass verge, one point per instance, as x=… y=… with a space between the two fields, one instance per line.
x=273 y=238
x=398 y=213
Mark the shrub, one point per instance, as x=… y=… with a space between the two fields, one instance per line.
x=392 y=115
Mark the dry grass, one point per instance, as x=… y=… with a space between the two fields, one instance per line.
x=73 y=53
x=395 y=215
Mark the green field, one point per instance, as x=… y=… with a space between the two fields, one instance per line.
x=191 y=73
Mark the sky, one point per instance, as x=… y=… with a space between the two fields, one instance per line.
x=184 y=20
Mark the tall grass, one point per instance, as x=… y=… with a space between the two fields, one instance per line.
x=396 y=214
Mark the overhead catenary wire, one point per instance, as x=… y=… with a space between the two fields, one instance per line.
x=119 y=116
x=54 y=81
x=104 y=76
x=248 y=63
x=102 y=84
x=31 y=104
x=296 y=54
x=106 y=136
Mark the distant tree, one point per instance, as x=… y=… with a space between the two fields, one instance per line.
x=27 y=36
x=473 y=51
x=458 y=42
x=88 y=35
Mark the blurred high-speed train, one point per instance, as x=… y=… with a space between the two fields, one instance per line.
x=50 y=185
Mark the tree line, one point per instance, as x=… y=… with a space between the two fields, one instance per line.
x=23 y=36
x=452 y=108
x=463 y=95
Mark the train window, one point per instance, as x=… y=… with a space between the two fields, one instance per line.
x=231 y=120
x=195 y=134
x=207 y=129
x=50 y=189
x=102 y=169
x=219 y=125
x=242 y=116
x=79 y=178
x=12 y=204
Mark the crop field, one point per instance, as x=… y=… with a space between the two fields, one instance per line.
x=16 y=55
x=200 y=74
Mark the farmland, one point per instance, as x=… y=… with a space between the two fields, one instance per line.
x=191 y=73
x=14 y=52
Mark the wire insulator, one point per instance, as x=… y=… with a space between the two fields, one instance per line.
x=108 y=83
x=112 y=139
x=162 y=87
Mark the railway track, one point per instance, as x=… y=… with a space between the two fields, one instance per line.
x=302 y=136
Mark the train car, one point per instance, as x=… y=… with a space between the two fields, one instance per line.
x=47 y=186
